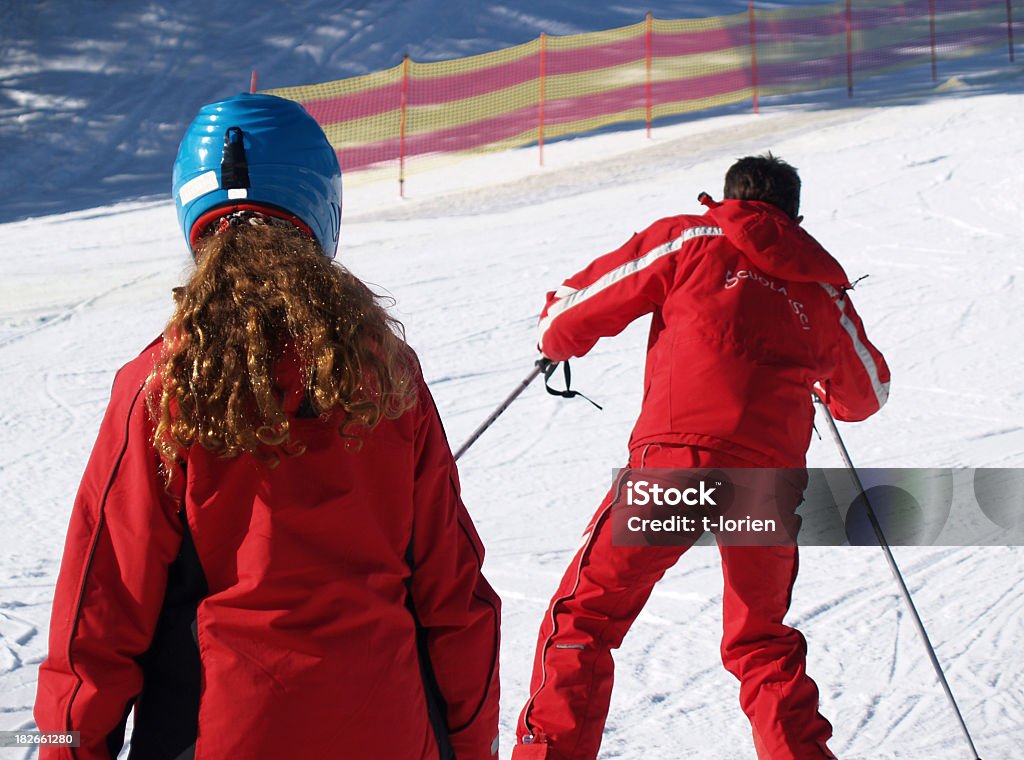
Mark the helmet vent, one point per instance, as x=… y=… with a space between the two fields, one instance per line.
x=234 y=168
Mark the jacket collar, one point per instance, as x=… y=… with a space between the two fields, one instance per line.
x=775 y=244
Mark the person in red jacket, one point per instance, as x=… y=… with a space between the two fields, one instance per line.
x=268 y=555
x=749 y=316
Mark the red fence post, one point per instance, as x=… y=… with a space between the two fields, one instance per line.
x=753 y=55
x=849 y=48
x=540 y=102
x=931 y=30
x=647 y=55
x=252 y=79
x=1009 y=27
x=401 y=125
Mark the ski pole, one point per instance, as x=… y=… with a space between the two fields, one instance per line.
x=873 y=519
x=541 y=366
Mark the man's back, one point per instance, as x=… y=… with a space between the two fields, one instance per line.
x=749 y=313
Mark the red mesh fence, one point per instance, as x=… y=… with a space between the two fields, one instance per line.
x=557 y=86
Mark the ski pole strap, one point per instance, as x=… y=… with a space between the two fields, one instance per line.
x=548 y=368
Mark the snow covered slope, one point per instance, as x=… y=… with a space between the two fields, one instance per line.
x=922 y=194
x=94 y=96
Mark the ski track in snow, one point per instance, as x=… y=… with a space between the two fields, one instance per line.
x=918 y=195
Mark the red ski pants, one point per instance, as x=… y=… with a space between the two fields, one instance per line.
x=603 y=590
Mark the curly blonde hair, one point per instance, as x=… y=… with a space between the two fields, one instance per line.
x=258 y=292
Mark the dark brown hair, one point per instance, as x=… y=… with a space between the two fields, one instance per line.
x=258 y=292
x=764 y=178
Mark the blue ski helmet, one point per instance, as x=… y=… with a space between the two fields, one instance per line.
x=263 y=153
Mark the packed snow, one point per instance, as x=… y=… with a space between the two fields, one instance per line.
x=920 y=191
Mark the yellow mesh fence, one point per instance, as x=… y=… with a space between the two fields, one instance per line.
x=564 y=85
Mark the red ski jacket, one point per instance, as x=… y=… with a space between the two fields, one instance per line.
x=750 y=314
x=331 y=607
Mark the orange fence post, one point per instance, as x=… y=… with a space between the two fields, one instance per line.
x=1009 y=27
x=931 y=32
x=849 y=48
x=648 y=57
x=401 y=125
x=753 y=55
x=540 y=101
x=252 y=79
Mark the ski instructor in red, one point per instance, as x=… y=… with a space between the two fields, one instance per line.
x=750 y=316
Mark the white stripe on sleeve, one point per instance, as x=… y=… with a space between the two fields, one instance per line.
x=881 y=389
x=605 y=281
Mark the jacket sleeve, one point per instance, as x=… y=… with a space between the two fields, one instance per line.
x=122 y=536
x=859 y=383
x=611 y=292
x=455 y=607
